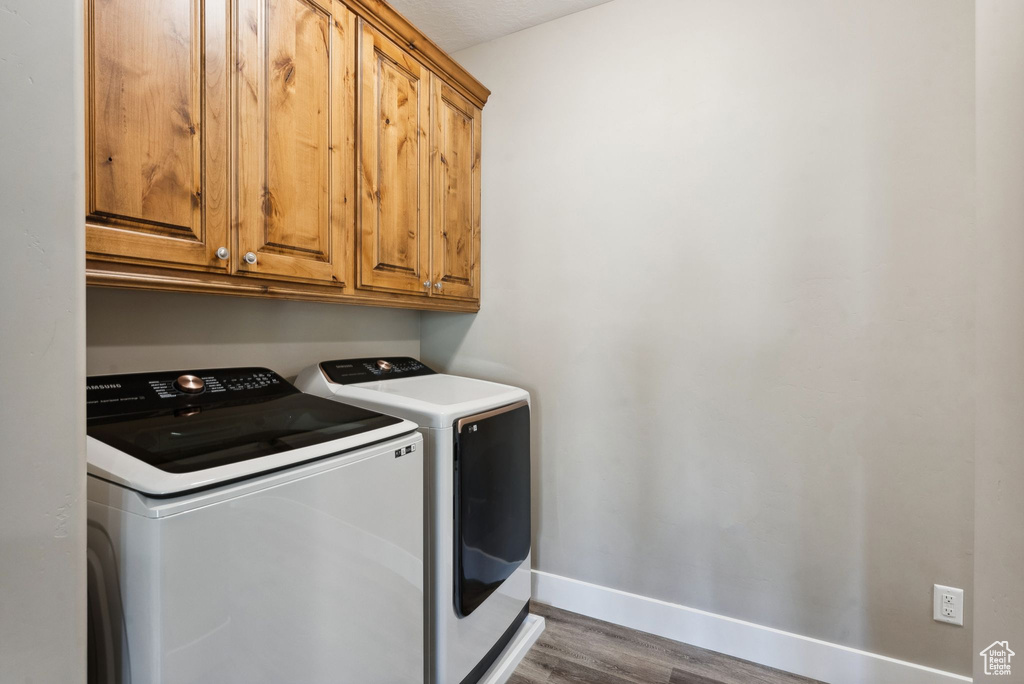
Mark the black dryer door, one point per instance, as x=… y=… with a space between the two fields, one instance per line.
x=492 y=501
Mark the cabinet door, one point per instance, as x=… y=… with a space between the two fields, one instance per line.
x=394 y=160
x=455 y=191
x=296 y=131
x=157 y=102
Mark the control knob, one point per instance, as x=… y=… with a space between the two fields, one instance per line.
x=190 y=384
x=384 y=365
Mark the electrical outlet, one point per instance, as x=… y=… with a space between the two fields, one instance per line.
x=948 y=605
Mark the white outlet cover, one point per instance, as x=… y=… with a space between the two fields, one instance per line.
x=945 y=598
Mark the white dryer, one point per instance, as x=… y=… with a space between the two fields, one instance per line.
x=477 y=442
x=242 y=532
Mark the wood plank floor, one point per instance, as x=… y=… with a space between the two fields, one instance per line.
x=579 y=650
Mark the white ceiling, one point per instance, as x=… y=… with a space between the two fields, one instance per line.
x=458 y=24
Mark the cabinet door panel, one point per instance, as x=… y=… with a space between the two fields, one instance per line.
x=294 y=116
x=455 y=220
x=393 y=167
x=149 y=132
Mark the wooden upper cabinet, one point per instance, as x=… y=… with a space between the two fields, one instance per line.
x=296 y=62
x=157 y=103
x=455 y=191
x=303 y=149
x=393 y=170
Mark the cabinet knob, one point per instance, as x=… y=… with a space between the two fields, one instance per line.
x=223 y=253
x=250 y=258
x=426 y=283
x=438 y=285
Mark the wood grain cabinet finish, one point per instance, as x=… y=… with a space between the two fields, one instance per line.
x=393 y=170
x=455 y=177
x=157 y=100
x=296 y=62
x=327 y=140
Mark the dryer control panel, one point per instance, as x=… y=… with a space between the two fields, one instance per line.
x=352 y=371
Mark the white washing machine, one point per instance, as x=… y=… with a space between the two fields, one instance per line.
x=242 y=532
x=477 y=441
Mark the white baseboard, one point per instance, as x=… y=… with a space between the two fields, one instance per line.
x=801 y=655
x=524 y=638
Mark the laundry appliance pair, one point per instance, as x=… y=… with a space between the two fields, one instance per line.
x=243 y=531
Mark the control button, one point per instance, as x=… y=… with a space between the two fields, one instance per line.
x=189 y=384
x=384 y=365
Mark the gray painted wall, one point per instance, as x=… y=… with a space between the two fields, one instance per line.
x=130 y=331
x=999 y=464
x=777 y=431
x=731 y=253
x=42 y=344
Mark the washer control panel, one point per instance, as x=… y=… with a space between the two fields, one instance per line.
x=351 y=371
x=108 y=395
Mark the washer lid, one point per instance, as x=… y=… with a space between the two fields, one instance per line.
x=163 y=434
x=431 y=400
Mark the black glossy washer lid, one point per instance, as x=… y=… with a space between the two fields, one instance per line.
x=240 y=414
